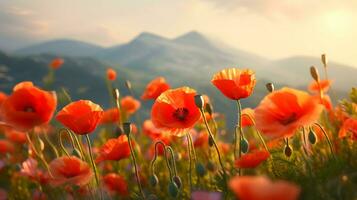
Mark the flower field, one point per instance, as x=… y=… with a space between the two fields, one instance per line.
x=295 y=144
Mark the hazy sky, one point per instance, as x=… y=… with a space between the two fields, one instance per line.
x=271 y=28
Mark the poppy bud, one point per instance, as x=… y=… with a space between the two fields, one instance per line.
x=128 y=84
x=199 y=101
x=209 y=108
x=288 y=151
x=324 y=60
x=76 y=153
x=210 y=141
x=116 y=93
x=127 y=127
x=312 y=137
x=200 y=169
x=173 y=189
x=244 y=145
x=119 y=131
x=41 y=144
x=153 y=180
x=210 y=166
x=314 y=73
x=270 y=87
x=178 y=181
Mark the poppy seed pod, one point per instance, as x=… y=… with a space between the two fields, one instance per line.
x=199 y=101
x=127 y=127
x=270 y=87
x=314 y=73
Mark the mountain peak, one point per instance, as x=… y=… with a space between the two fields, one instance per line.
x=194 y=38
x=145 y=36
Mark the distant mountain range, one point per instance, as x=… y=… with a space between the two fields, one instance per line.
x=190 y=59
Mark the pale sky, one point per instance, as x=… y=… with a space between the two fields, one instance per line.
x=271 y=28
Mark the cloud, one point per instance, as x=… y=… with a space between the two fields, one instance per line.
x=21 y=22
x=290 y=9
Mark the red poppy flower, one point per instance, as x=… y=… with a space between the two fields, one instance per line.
x=6 y=147
x=326 y=102
x=247 y=116
x=111 y=74
x=261 y=188
x=3 y=96
x=28 y=106
x=252 y=159
x=283 y=111
x=129 y=105
x=110 y=116
x=56 y=63
x=15 y=136
x=114 y=149
x=116 y=183
x=150 y=130
x=175 y=110
x=155 y=88
x=81 y=116
x=349 y=126
x=70 y=170
x=235 y=83
x=324 y=85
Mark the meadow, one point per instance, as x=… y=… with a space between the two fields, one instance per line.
x=294 y=144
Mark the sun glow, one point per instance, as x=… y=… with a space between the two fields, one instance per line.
x=337 y=22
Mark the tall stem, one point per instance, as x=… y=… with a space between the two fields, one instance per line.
x=40 y=156
x=92 y=161
x=240 y=136
x=135 y=165
x=216 y=147
x=190 y=160
x=328 y=139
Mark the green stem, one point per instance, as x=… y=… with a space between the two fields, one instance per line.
x=216 y=147
x=51 y=145
x=92 y=161
x=328 y=139
x=239 y=124
x=152 y=164
x=190 y=160
x=135 y=166
x=61 y=144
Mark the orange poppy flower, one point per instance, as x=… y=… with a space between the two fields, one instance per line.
x=6 y=147
x=326 y=102
x=110 y=116
x=111 y=74
x=155 y=88
x=247 y=116
x=70 y=170
x=28 y=106
x=81 y=116
x=261 y=188
x=129 y=105
x=114 y=149
x=252 y=159
x=116 y=183
x=56 y=63
x=175 y=110
x=283 y=111
x=324 y=84
x=235 y=83
x=349 y=126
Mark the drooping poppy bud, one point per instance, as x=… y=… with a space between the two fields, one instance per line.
x=312 y=137
x=200 y=170
x=270 y=87
x=199 y=101
x=288 y=151
x=244 y=145
x=173 y=189
x=178 y=181
x=154 y=180
x=314 y=73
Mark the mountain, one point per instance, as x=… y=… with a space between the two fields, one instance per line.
x=61 y=47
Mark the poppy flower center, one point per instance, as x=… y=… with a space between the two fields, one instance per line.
x=181 y=114
x=29 y=109
x=289 y=119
